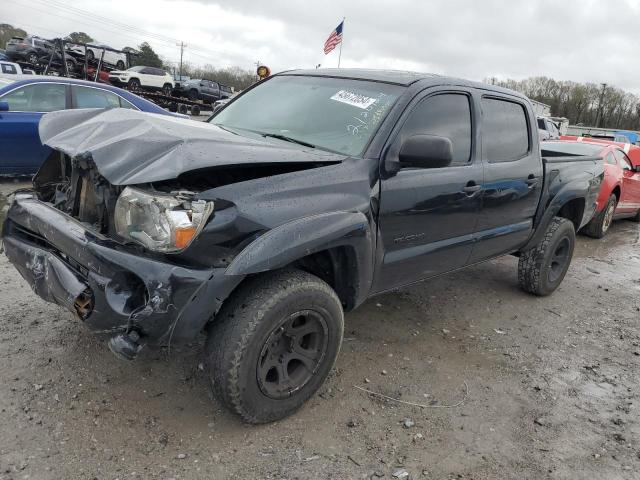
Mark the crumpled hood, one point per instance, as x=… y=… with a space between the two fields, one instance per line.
x=130 y=147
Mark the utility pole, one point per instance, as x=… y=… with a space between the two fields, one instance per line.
x=599 y=112
x=182 y=46
x=257 y=64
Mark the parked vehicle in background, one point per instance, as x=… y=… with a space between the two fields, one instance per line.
x=28 y=49
x=53 y=60
x=25 y=98
x=201 y=89
x=266 y=223
x=148 y=78
x=10 y=68
x=620 y=192
x=547 y=130
x=94 y=52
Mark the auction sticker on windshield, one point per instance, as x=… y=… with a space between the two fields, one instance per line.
x=353 y=99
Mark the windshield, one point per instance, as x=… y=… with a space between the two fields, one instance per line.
x=339 y=115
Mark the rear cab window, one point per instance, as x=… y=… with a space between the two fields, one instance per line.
x=505 y=130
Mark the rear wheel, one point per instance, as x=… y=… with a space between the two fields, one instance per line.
x=90 y=55
x=600 y=223
x=273 y=344
x=166 y=89
x=120 y=65
x=195 y=110
x=193 y=95
x=542 y=268
x=32 y=58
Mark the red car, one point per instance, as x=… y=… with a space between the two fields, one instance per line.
x=620 y=192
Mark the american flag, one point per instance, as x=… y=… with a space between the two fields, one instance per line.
x=334 y=39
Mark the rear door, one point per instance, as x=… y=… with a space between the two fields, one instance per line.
x=428 y=215
x=21 y=151
x=512 y=174
x=630 y=195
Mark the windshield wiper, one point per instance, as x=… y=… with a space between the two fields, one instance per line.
x=279 y=136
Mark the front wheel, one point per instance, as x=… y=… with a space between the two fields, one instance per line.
x=542 y=268
x=600 y=223
x=120 y=65
x=273 y=344
x=133 y=85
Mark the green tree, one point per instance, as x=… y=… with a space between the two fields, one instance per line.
x=79 y=37
x=7 y=31
x=145 y=56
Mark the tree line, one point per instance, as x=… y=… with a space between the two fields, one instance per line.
x=589 y=104
x=144 y=54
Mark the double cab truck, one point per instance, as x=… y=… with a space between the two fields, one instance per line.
x=262 y=226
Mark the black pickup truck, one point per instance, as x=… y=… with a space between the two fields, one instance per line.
x=304 y=196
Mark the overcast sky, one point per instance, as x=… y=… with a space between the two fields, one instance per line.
x=595 y=41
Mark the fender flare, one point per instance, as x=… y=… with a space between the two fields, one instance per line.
x=571 y=191
x=304 y=236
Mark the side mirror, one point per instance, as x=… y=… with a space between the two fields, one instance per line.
x=4 y=106
x=426 y=151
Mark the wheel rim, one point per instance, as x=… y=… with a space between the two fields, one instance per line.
x=33 y=59
x=292 y=354
x=559 y=260
x=608 y=217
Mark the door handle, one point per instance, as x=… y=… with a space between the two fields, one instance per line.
x=532 y=181
x=471 y=188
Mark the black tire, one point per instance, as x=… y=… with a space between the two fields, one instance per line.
x=32 y=58
x=120 y=65
x=133 y=85
x=241 y=344
x=542 y=268
x=173 y=107
x=183 y=109
x=90 y=55
x=195 y=110
x=193 y=95
x=71 y=66
x=600 y=223
x=166 y=89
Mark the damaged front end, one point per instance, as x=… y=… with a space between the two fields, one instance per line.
x=125 y=228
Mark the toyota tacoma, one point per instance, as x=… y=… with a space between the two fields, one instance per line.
x=309 y=193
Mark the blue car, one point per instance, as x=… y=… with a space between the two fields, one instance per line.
x=25 y=98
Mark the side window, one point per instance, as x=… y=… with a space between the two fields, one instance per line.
x=87 y=97
x=541 y=124
x=611 y=159
x=146 y=71
x=625 y=163
x=39 y=97
x=505 y=134
x=446 y=115
x=126 y=104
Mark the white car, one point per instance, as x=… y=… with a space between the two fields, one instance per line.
x=10 y=68
x=117 y=59
x=148 y=78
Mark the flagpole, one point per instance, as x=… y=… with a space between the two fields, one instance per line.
x=341 y=42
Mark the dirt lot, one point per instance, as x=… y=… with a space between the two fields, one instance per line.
x=546 y=387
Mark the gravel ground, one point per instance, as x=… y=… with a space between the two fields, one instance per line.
x=514 y=387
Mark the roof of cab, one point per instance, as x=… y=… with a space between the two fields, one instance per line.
x=398 y=77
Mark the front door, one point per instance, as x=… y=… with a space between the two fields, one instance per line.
x=630 y=195
x=428 y=215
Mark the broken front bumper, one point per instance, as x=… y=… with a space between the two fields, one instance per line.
x=112 y=288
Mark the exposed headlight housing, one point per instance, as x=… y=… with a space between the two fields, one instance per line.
x=159 y=222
